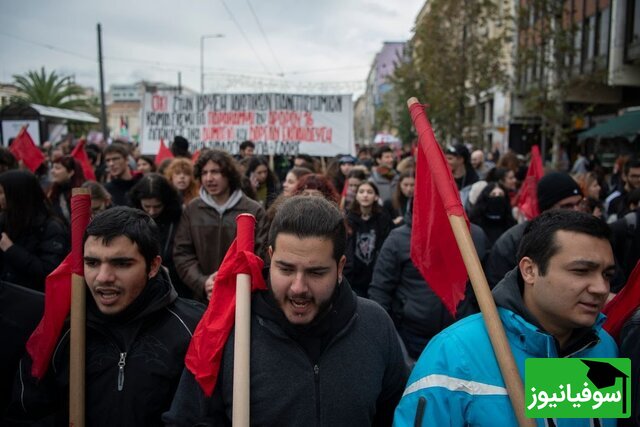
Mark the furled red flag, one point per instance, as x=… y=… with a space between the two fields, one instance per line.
x=80 y=154
x=434 y=250
x=163 y=153
x=623 y=305
x=57 y=294
x=204 y=355
x=194 y=157
x=528 y=197
x=23 y=148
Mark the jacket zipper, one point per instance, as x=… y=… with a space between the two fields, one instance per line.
x=316 y=378
x=121 y=363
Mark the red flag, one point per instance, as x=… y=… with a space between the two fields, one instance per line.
x=57 y=296
x=204 y=355
x=528 y=196
x=434 y=250
x=80 y=154
x=623 y=305
x=163 y=153
x=25 y=149
x=57 y=302
x=194 y=157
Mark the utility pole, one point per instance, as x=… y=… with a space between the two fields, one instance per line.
x=179 y=83
x=103 y=110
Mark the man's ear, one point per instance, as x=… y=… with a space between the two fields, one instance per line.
x=341 y=264
x=528 y=270
x=155 y=266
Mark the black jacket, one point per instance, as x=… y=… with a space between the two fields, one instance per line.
x=363 y=246
x=35 y=253
x=630 y=347
x=401 y=290
x=503 y=254
x=357 y=379
x=134 y=362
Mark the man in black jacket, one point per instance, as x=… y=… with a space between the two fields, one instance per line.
x=320 y=355
x=138 y=331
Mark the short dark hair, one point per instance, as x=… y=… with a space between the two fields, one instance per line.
x=631 y=163
x=132 y=223
x=379 y=151
x=245 y=144
x=155 y=186
x=118 y=148
x=539 y=238
x=310 y=217
x=225 y=161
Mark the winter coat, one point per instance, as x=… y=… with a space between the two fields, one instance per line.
x=35 y=253
x=134 y=362
x=386 y=187
x=400 y=289
x=502 y=258
x=363 y=246
x=359 y=372
x=459 y=375
x=630 y=347
x=119 y=190
x=204 y=236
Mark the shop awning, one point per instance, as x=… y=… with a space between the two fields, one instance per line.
x=626 y=125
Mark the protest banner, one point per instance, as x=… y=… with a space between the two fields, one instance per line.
x=285 y=124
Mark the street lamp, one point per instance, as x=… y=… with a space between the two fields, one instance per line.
x=206 y=36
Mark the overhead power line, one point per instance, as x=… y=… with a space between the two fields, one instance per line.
x=255 y=52
x=264 y=35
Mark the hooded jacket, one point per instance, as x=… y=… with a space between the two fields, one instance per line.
x=344 y=369
x=459 y=375
x=134 y=362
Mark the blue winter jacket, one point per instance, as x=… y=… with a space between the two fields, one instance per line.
x=459 y=377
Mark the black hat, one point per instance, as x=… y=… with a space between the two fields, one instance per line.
x=347 y=159
x=554 y=187
x=459 y=150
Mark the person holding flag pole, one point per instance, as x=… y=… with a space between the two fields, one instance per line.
x=137 y=330
x=549 y=305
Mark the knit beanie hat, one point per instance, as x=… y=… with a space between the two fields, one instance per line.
x=554 y=187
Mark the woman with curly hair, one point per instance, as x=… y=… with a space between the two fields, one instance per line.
x=180 y=175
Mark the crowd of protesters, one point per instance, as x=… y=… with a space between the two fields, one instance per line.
x=194 y=200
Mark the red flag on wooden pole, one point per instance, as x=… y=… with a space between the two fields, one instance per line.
x=25 y=149
x=624 y=304
x=80 y=154
x=163 y=153
x=204 y=355
x=528 y=197
x=434 y=250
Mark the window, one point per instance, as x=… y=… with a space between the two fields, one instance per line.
x=591 y=38
x=603 y=32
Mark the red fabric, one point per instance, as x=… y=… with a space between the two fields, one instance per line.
x=57 y=297
x=205 y=350
x=57 y=302
x=80 y=154
x=163 y=153
x=528 y=196
x=434 y=250
x=194 y=157
x=23 y=148
x=623 y=305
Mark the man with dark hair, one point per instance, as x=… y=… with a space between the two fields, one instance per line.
x=550 y=307
x=138 y=331
x=120 y=177
x=459 y=161
x=208 y=224
x=180 y=147
x=617 y=202
x=320 y=355
x=556 y=190
x=246 y=149
x=383 y=173
x=304 y=161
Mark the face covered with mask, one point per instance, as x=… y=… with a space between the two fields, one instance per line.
x=497 y=204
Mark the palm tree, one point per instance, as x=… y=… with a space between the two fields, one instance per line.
x=49 y=89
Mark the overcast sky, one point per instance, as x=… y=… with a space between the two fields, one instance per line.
x=311 y=41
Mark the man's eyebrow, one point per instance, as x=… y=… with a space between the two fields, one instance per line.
x=585 y=263
x=285 y=264
x=114 y=259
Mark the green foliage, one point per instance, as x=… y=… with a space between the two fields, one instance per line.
x=455 y=60
x=50 y=89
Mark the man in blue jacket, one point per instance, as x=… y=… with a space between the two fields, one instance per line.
x=550 y=307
